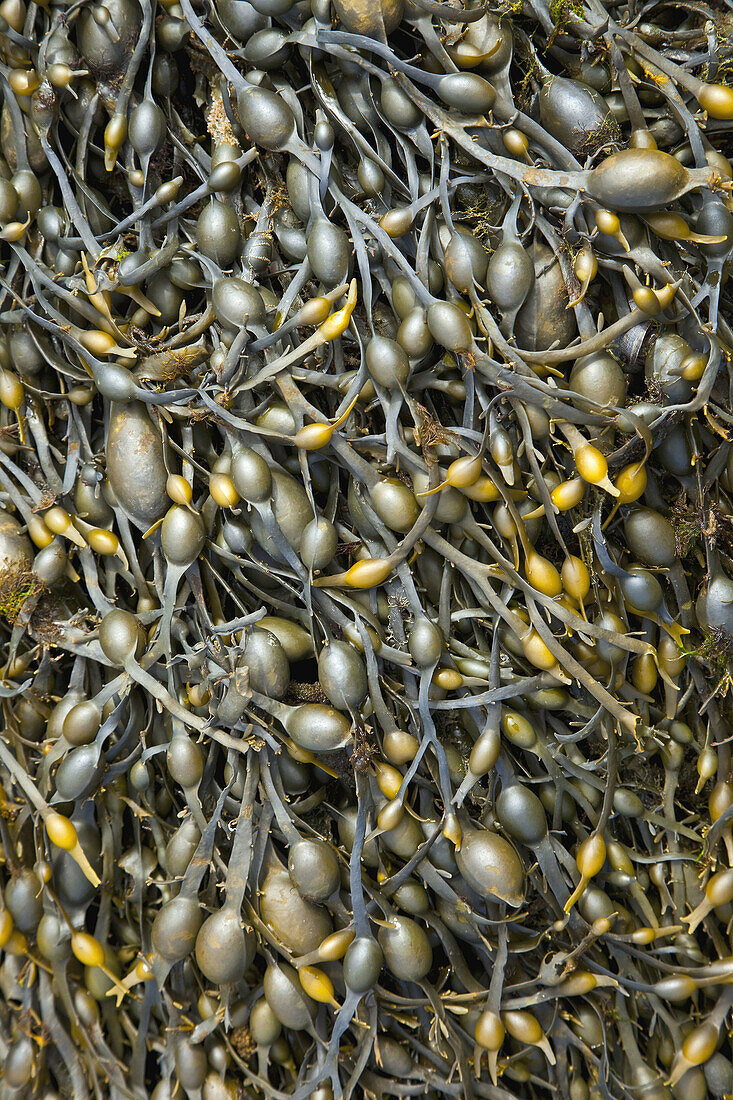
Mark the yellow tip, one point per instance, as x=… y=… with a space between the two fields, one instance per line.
x=575 y=894
x=77 y=854
x=335 y=325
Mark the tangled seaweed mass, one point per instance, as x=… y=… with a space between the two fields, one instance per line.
x=366 y=550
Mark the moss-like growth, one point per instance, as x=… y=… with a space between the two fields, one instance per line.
x=715 y=649
x=17 y=585
x=428 y=433
x=606 y=133
x=562 y=12
x=484 y=210
x=243 y=1043
x=686 y=523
